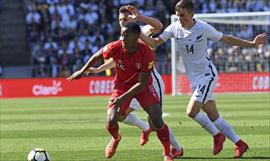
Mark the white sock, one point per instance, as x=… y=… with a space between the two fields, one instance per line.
x=206 y=123
x=173 y=141
x=135 y=121
x=226 y=129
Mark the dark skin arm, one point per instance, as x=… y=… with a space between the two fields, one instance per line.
x=135 y=89
x=78 y=74
x=152 y=42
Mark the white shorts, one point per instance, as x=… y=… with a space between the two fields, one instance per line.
x=158 y=85
x=203 y=90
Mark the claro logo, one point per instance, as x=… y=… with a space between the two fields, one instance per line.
x=260 y=83
x=42 y=90
x=101 y=87
x=1 y=90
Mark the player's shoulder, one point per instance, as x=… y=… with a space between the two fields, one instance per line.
x=202 y=24
x=145 y=51
x=113 y=45
x=174 y=25
x=144 y=46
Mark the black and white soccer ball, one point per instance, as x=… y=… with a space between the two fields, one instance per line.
x=38 y=154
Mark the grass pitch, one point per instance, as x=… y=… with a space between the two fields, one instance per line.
x=72 y=129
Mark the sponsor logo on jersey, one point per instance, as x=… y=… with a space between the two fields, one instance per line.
x=120 y=64
x=138 y=65
x=199 y=38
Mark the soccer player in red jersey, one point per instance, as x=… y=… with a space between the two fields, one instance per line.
x=134 y=63
x=131 y=14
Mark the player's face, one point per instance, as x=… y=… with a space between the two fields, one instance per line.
x=124 y=18
x=185 y=17
x=130 y=39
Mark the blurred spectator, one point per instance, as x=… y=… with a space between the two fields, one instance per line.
x=63 y=34
x=64 y=72
x=33 y=16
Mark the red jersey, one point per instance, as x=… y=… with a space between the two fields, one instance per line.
x=129 y=66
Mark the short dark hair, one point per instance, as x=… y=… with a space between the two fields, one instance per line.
x=123 y=9
x=133 y=26
x=186 y=4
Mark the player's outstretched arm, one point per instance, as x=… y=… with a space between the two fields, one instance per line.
x=135 y=89
x=155 y=24
x=107 y=65
x=92 y=60
x=232 y=40
x=152 y=42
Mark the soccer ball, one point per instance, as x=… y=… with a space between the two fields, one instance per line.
x=38 y=154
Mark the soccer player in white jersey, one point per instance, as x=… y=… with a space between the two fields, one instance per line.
x=127 y=14
x=192 y=35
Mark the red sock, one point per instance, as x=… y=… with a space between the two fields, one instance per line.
x=163 y=135
x=113 y=130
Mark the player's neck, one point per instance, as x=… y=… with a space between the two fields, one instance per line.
x=191 y=24
x=132 y=49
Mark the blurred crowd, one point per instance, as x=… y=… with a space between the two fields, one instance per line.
x=63 y=34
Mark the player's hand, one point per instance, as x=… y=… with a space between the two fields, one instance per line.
x=91 y=70
x=134 y=12
x=260 y=39
x=117 y=101
x=77 y=75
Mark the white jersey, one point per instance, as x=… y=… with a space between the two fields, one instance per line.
x=192 y=46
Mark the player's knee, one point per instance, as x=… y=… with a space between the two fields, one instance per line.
x=191 y=113
x=122 y=118
x=111 y=122
x=151 y=124
x=158 y=122
x=213 y=117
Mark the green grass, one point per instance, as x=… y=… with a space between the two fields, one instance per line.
x=72 y=129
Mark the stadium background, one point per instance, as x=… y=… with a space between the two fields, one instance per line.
x=53 y=38
x=40 y=47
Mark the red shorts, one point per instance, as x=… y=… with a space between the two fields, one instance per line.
x=146 y=98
